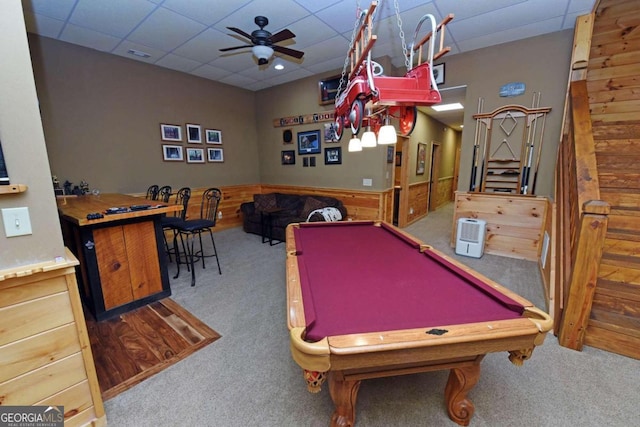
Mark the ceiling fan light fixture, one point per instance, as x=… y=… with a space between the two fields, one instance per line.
x=263 y=53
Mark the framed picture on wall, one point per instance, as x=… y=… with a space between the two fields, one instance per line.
x=170 y=132
x=193 y=134
x=215 y=155
x=172 y=153
x=330 y=134
x=438 y=73
x=327 y=89
x=213 y=136
x=288 y=157
x=421 y=158
x=333 y=156
x=309 y=142
x=195 y=155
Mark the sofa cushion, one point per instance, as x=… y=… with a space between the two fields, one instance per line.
x=289 y=202
x=310 y=205
x=264 y=201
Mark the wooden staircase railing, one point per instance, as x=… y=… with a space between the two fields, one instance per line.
x=581 y=216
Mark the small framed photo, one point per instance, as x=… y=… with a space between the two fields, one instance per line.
x=438 y=73
x=328 y=89
x=390 y=150
x=421 y=160
x=195 y=155
x=333 y=156
x=288 y=157
x=171 y=132
x=215 y=155
x=194 y=134
x=309 y=142
x=213 y=136
x=172 y=153
x=330 y=132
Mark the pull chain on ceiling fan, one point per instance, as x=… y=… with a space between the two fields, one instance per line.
x=263 y=42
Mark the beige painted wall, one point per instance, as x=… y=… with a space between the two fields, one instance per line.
x=24 y=149
x=542 y=63
x=102 y=115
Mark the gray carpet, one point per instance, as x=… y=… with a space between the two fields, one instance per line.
x=247 y=377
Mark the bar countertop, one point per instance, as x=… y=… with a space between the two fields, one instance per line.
x=76 y=209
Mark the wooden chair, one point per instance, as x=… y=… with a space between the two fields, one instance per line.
x=152 y=192
x=190 y=228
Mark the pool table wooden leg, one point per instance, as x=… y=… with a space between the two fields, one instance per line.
x=461 y=380
x=343 y=393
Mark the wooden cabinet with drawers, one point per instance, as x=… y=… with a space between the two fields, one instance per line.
x=44 y=346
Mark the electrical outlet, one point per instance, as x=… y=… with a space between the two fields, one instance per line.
x=219 y=214
x=16 y=222
x=367 y=182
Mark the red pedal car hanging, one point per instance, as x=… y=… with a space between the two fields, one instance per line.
x=383 y=96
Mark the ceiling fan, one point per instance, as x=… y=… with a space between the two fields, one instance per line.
x=263 y=42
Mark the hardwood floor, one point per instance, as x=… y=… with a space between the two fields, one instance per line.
x=136 y=345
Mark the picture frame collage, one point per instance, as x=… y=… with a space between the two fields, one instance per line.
x=174 y=151
x=309 y=143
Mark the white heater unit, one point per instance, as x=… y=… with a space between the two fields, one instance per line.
x=470 y=237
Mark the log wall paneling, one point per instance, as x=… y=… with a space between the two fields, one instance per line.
x=44 y=346
x=418 y=201
x=515 y=223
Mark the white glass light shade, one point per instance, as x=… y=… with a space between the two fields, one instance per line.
x=368 y=139
x=262 y=52
x=355 y=145
x=387 y=135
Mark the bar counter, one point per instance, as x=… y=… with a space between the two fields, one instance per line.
x=123 y=264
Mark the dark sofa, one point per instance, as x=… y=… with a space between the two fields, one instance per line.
x=295 y=208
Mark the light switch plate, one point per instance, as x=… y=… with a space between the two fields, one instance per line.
x=16 y=222
x=367 y=182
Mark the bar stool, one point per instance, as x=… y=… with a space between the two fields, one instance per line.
x=164 y=193
x=168 y=221
x=152 y=192
x=189 y=229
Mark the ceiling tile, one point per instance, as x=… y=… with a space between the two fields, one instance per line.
x=179 y=63
x=205 y=46
x=58 y=9
x=165 y=30
x=204 y=11
x=512 y=34
x=237 y=80
x=123 y=48
x=88 y=38
x=43 y=25
x=464 y=9
x=279 y=13
x=308 y=31
x=315 y=5
x=209 y=72
x=114 y=17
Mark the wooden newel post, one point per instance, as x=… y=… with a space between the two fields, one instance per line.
x=584 y=276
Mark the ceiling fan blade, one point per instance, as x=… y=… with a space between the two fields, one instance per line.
x=281 y=35
x=287 y=51
x=234 y=48
x=242 y=33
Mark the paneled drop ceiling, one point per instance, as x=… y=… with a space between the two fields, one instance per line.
x=186 y=35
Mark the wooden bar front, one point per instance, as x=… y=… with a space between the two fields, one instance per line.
x=123 y=264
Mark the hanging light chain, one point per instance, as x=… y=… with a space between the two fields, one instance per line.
x=404 y=43
x=346 y=60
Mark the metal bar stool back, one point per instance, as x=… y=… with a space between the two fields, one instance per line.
x=189 y=229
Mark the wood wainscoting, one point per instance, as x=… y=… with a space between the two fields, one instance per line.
x=517 y=227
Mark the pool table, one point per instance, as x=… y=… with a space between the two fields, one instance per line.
x=366 y=300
